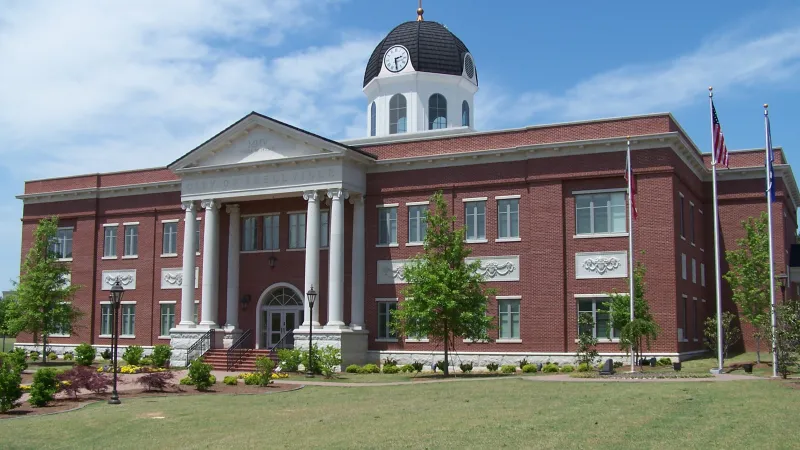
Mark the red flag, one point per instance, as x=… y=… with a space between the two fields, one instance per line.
x=720 y=154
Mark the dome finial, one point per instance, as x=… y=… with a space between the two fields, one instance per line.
x=420 y=12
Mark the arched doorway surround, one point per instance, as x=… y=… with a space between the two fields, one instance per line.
x=279 y=310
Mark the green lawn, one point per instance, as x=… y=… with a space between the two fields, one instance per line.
x=9 y=344
x=510 y=413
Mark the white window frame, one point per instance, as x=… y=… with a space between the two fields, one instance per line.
x=122 y=308
x=509 y=237
x=197 y=236
x=389 y=337
x=596 y=298
x=324 y=229
x=274 y=230
x=299 y=242
x=174 y=238
x=475 y=216
x=110 y=316
x=248 y=233
x=61 y=335
x=161 y=306
x=683 y=266
x=509 y=298
x=60 y=243
x=106 y=227
x=418 y=223
x=387 y=222
x=695 y=322
x=125 y=251
x=592 y=234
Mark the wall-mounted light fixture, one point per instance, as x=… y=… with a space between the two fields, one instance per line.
x=244 y=301
x=272 y=261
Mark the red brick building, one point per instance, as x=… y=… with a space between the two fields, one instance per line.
x=230 y=236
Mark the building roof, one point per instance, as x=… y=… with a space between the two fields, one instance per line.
x=431 y=47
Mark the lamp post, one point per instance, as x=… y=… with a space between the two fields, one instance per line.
x=116 y=298
x=311 y=295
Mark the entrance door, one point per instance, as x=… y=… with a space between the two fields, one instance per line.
x=279 y=325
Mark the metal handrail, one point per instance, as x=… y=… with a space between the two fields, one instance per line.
x=238 y=349
x=200 y=347
x=281 y=342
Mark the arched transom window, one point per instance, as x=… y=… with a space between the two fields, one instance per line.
x=437 y=112
x=283 y=297
x=397 y=114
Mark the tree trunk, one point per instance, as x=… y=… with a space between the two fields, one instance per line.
x=44 y=348
x=446 y=363
x=758 y=349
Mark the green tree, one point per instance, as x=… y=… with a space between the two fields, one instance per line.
x=42 y=304
x=636 y=334
x=5 y=321
x=587 y=343
x=445 y=297
x=748 y=276
x=788 y=337
x=730 y=332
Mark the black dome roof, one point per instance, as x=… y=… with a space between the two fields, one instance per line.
x=431 y=46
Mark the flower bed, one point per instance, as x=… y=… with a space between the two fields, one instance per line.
x=129 y=369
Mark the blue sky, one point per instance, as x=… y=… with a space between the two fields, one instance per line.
x=102 y=86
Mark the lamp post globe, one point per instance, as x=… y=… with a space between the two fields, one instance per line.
x=116 y=299
x=311 y=296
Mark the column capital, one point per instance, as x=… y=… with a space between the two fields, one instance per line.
x=311 y=196
x=232 y=208
x=188 y=206
x=210 y=204
x=338 y=194
x=357 y=199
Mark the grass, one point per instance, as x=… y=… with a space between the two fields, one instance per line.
x=511 y=413
x=9 y=344
x=402 y=377
x=709 y=362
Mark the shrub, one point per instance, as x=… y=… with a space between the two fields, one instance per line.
x=391 y=369
x=290 y=359
x=352 y=368
x=617 y=364
x=10 y=389
x=328 y=360
x=530 y=368
x=186 y=381
x=16 y=358
x=69 y=356
x=439 y=366
x=369 y=368
x=34 y=355
x=417 y=366
x=523 y=362
x=146 y=361
x=230 y=380
x=156 y=381
x=251 y=379
x=44 y=387
x=133 y=355
x=492 y=367
x=408 y=368
x=212 y=379
x=52 y=356
x=82 y=377
x=84 y=354
x=161 y=355
x=264 y=366
x=665 y=361
x=106 y=354
x=584 y=367
x=508 y=368
x=566 y=368
x=389 y=362
x=200 y=374
x=550 y=368
x=465 y=367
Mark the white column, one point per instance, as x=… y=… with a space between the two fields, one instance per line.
x=357 y=277
x=210 y=297
x=312 y=254
x=234 y=237
x=187 y=280
x=336 y=261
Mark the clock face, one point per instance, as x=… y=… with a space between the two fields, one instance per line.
x=396 y=58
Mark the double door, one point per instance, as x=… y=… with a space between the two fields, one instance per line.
x=279 y=323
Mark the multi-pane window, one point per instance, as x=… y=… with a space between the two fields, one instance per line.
x=297 y=230
x=437 y=112
x=63 y=328
x=106 y=317
x=62 y=243
x=385 y=310
x=684 y=319
x=702 y=275
x=397 y=114
x=131 y=240
x=600 y=213
x=249 y=233
x=695 y=330
x=694 y=270
x=417 y=223
x=509 y=319
x=272 y=232
x=597 y=310
x=170 y=244
x=683 y=265
x=167 y=318
x=110 y=241
x=680 y=217
x=323 y=229
x=508 y=218
x=196 y=312
x=475 y=216
x=197 y=238
x=691 y=222
x=387 y=225
x=128 y=320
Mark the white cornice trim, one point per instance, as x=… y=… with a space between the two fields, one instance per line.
x=158 y=187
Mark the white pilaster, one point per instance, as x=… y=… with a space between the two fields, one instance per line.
x=234 y=238
x=312 y=254
x=210 y=298
x=357 y=277
x=336 y=261
x=187 y=279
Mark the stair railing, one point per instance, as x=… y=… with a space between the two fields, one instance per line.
x=286 y=341
x=238 y=350
x=200 y=346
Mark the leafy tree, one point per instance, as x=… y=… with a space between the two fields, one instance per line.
x=748 y=277
x=42 y=304
x=636 y=334
x=587 y=343
x=788 y=337
x=445 y=297
x=10 y=391
x=5 y=320
x=730 y=332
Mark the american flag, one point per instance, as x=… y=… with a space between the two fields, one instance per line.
x=770 y=160
x=629 y=176
x=720 y=151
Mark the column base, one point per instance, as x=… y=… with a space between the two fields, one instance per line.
x=180 y=341
x=314 y=324
x=207 y=325
x=230 y=335
x=336 y=326
x=186 y=325
x=356 y=327
x=352 y=344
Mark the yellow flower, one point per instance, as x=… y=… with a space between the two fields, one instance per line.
x=25 y=387
x=66 y=383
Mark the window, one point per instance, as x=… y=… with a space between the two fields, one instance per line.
x=249 y=234
x=62 y=243
x=167 y=318
x=387 y=225
x=600 y=213
x=475 y=220
x=508 y=319
x=702 y=274
x=691 y=222
x=131 y=240
x=397 y=114
x=63 y=328
x=508 y=218
x=170 y=244
x=197 y=238
x=106 y=323
x=297 y=230
x=110 y=242
x=694 y=271
x=417 y=223
x=464 y=114
x=272 y=232
x=196 y=311
x=385 y=310
x=684 y=320
x=695 y=331
x=437 y=112
x=596 y=308
x=680 y=217
x=128 y=320
x=323 y=230
x=373 y=113
x=683 y=265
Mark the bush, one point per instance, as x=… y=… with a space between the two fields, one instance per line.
x=617 y=364
x=44 y=387
x=133 y=355
x=352 y=368
x=161 y=355
x=69 y=356
x=251 y=379
x=465 y=367
x=407 y=368
x=389 y=362
x=106 y=354
x=523 y=362
x=369 y=368
x=186 y=381
x=665 y=362
x=439 y=365
x=146 y=361
x=156 y=381
x=417 y=366
x=508 y=368
x=530 y=368
x=550 y=368
x=82 y=377
x=230 y=381
x=52 y=356
x=10 y=389
x=567 y=368
x=391 y=369
x=328 y=360
x=290 y=359
x=84 y=354
x=16 y=358
x=200 y=374
x=264 y=367
x=34 y=355
x=492 y=367
x=584 y=367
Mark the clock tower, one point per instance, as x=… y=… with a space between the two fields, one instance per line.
x=421 y=78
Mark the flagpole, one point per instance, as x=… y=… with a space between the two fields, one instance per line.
x=770 y=181
x=631 y=295
x=717 y=273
